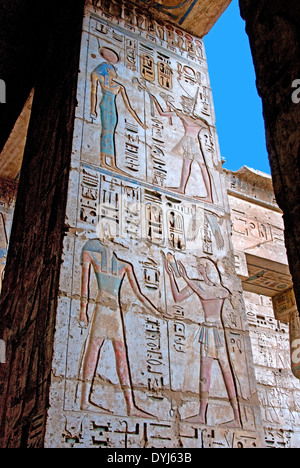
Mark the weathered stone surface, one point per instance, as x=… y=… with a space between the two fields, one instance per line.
x=152 y=347
x=273 y=29
x=258 y=233
x=261 y=263
x=195 y=17
x=29 y=296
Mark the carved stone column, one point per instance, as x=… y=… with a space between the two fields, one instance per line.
x=29 y=296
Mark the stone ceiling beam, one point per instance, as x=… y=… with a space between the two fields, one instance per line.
x=197 y=17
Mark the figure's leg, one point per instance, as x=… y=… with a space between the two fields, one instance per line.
x=185 y=175
x=112 y=166
x=205 y=384
x=207 y=183
x=125 y=381
x=91 y=360
x=231 y=390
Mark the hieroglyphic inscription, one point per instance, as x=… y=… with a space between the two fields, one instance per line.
x=154 y=354
x=154 y=350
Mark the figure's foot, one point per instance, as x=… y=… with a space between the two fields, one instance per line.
x=198 y=419
x=92 y=407
x=113 y=168
x=137 y=413
x=176 y=190
x=204 y=199
x=234 y=424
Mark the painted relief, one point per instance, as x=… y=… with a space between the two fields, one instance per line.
x=105 y=75
x=211 y=294
x=148 y=283
x=107 y=321
x=152 y=87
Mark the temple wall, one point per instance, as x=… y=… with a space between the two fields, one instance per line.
x=152 y=340
x=278 y=389
x=154 y=329
x=262 y=265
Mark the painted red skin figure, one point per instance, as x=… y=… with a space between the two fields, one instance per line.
x=189 y=147
x=213 y=345
x=107 y=321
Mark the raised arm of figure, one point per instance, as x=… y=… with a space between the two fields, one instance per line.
x=162 y=113
x=178 y=295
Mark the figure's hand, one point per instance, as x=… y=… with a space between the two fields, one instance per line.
x=94 y=114
x=202 y=270
x=83 y=317
x=168 y=268
x=144 y=126
x=162 y=314
x=182 y=270
x=156 y=312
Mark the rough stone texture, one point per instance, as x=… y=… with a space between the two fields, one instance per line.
x=152 y=345
x=274 y=32
x=278 y=389
x=193 y=16
x=261 y=262
x=258 y=233
x=29 y=296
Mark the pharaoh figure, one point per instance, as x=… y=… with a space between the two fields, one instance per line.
x=105 y=75
x=190 y=146
x=108 y=321
x=212 y=295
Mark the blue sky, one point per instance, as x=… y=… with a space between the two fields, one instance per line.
x=238 y=107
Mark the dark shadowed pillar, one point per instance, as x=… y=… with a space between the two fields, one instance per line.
x=273 y=27
x=28 y=300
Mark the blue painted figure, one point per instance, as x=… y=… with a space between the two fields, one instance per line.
x=105 y=75
x=108 y=322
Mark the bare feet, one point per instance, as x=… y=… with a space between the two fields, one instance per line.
x=114 y=169
x=137 y=413
x=92 y=407
x=198 y=419
x=234 y=424
x=176 y=190
x=205 y=199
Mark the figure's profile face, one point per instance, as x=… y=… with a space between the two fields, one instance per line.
x=113 y=74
